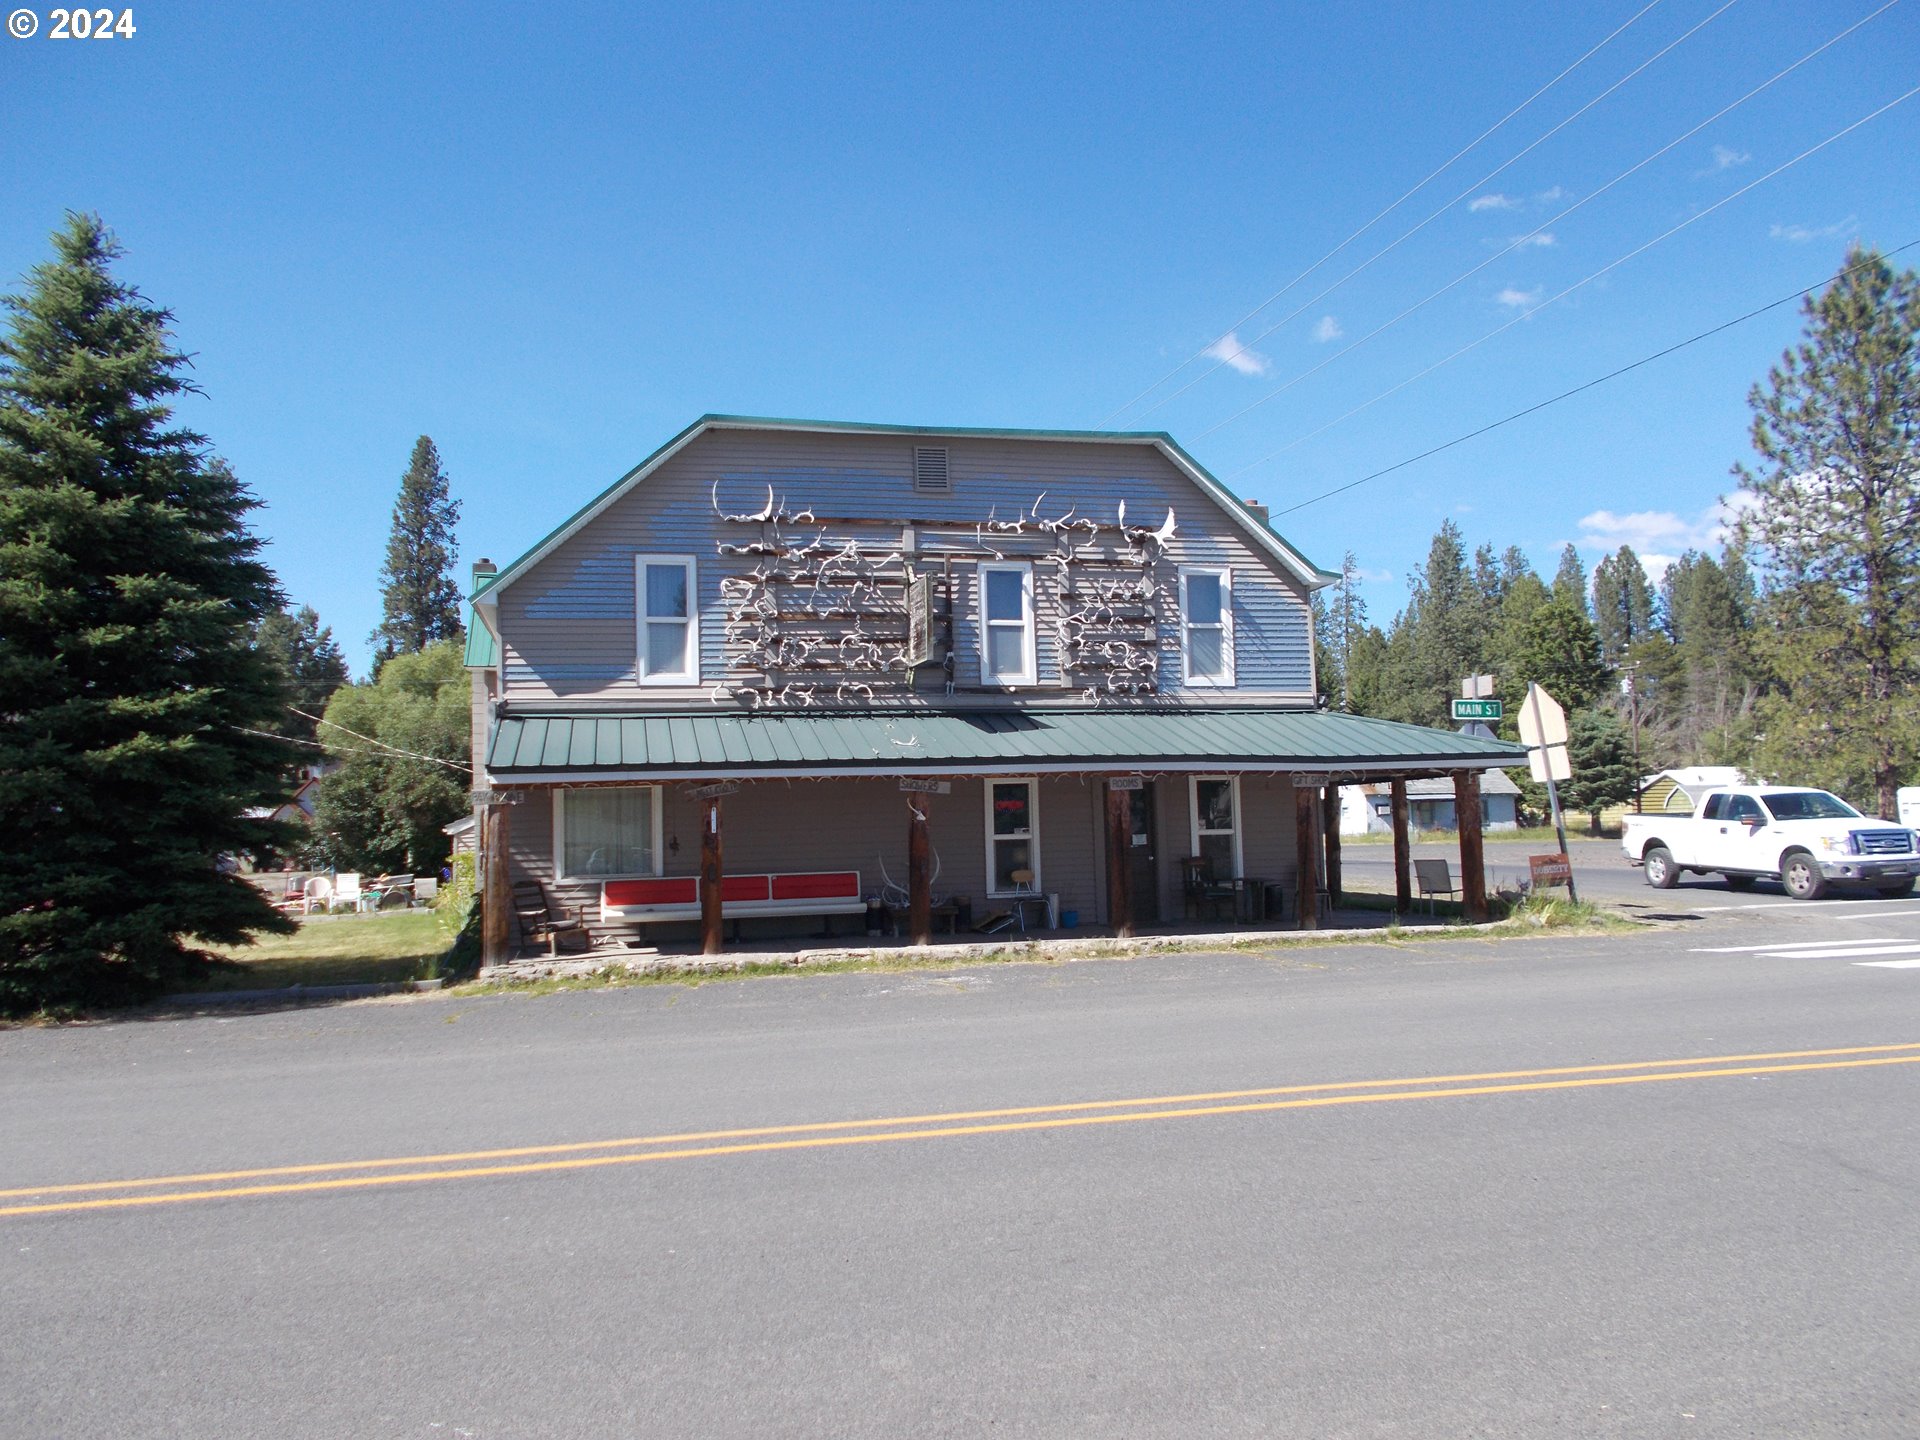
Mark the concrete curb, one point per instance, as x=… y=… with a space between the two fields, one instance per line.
x=301 y=992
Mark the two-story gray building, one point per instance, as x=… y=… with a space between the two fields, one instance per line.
x=963 y=673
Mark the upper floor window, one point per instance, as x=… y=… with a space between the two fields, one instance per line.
x=669 y=632
x=1006 y=624
x=1206 y=623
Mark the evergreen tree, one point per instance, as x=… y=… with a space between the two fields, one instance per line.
x=1558 y=650
x=1835 y=521
x=310 y=663
x=1449 y=628
x=1600 y=754
x=420 y=599
x=1708 y=608
x=129 y=584
x=1348 y=616
x=1329 y=678
x=1622 y=603
x=1570 y=580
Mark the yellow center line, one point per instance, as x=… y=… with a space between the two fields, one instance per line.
x=938 y=1118
x=1054 y=1122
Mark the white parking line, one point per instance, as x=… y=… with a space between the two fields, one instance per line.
x=1841 y=952
x=1780 y=947
x=1826 y=905
x=1892 y=964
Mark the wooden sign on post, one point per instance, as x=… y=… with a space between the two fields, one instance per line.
x=1551 y=870
x=496 y=797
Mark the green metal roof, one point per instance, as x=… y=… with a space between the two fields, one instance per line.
x=482 y=650
x=1141 y=437
x=702 y=743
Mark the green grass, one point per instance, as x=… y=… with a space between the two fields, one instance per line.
x=341 y=950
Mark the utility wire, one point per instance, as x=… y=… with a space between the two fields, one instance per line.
x=341 y=749
x=1587 y=199
x=1408 y=195
x=392 y=750
x=1529 y=313
x=1600 y=380
x=1314 y=300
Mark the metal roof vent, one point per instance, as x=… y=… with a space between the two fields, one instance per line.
x=930 y=476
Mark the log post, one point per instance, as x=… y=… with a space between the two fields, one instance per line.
x=919 y=873
x=1306 y=807
x=496 y=892
x=1402 y=851
x=712 y=882
x=1330 y=835
x=1119 y=862
x=1473 y=860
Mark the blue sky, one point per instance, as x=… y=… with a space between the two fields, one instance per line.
x=550 y=236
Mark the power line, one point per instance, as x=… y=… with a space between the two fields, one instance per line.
x=1408 y=195
x=1587 y=199
x=1600 y=380
x=1308 y=304
x=342 y=749
x=391 y=750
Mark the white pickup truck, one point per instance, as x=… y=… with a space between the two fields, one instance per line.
x=1806 y=839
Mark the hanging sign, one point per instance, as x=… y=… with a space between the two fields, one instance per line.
x=496 y=797
x=925 y=787
x=713 y=792
x=1127 y=782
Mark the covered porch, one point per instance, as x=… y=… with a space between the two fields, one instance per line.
x=731 y=831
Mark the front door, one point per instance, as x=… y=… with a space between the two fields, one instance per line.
x=1143 y=868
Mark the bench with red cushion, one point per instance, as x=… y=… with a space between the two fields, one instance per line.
x=677 y=897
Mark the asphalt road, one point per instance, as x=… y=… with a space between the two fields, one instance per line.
x=1152 y=1229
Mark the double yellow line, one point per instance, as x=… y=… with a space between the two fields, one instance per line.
x=643 y=1149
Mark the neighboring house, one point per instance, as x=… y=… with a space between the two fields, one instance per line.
x=462 y=833
x=1056 y=646
x=1678 y=791
x=1368 y=809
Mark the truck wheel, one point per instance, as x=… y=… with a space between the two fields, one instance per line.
x=1801 y=876
x=1897 y=891
x=1739 y=882
x=1662 y=873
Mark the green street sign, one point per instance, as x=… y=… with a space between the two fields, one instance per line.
x=1477 y=710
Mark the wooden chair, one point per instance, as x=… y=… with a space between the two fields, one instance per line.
x=1434 y=877
x=540 y=920
x=1200 y=889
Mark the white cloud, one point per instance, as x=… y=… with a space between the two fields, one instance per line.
x=1725 y=158
x=1518 y=298
x=1659 y=537
x=1801 y=234
x=1540 y=239
x=1547 y=197
x=1229 y=349
x=1495 y=201
x=1327 y=329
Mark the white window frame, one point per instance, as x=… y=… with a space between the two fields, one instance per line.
x=1224 y=574
x=1194 y=831
x=689 y=673
x=560 y=872
x=1029 y=673
x=1032 y=782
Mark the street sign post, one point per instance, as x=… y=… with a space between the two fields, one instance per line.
x=1543 y=726
x=1478 y=710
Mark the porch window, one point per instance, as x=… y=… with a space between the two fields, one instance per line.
x=1006 y=624
x=1013 y=837
x=1206 y=618
x=1216 y=823
x=606 y=833
x=669 y=636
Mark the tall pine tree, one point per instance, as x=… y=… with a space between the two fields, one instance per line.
x=129 y=585
x=310 y=662
x=1835 y=522
x=1622 y=603
x=420 y=599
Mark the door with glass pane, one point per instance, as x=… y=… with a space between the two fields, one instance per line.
x=1143 y=856
x=1216 y=824
x=1013 y=838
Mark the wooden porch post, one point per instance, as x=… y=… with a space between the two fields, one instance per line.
x=1119 y=863
x=1402 y=852
x=1330 y=828
x=496 y=897
x=711 y=880
x=919 y=873
x=1473 y=865
x=1306 y=805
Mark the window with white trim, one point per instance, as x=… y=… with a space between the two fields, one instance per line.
x=669 y=620
x=1206 y=621
x=1216 y=823
x=1013 y=837
x=609 y=832
x=1006 y=624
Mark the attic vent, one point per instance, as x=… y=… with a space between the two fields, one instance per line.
x=930 y=470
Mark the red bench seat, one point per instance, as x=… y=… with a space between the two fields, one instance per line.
x=677 y=897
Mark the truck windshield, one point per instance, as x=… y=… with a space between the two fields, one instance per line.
x=1809 y=805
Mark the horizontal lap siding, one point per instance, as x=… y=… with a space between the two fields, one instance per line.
x=834 y=825
x=569 y=624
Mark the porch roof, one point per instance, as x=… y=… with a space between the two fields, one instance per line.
x=641 y=745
